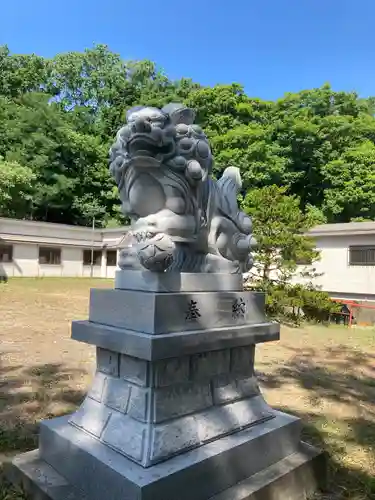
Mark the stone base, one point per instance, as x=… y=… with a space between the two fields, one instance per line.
x=154 y=347
x=295 y=477
x=72 y=465
x=177 y=282
x=160 y=313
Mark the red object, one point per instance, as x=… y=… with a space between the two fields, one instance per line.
x=352 y=304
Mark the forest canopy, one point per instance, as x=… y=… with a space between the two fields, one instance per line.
x=59 y=116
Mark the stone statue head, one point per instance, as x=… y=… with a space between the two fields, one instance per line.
x=153 y=137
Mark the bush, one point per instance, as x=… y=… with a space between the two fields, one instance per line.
x=317 y=305
x=293 y=303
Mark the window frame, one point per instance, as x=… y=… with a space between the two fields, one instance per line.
x=6 y=246
x=304 y=262
x=115 y=252
x=365 y=249
x=95 y=251
x=49 y=249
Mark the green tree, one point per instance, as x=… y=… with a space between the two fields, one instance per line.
x=22 y=73
x=350 y=181
x=284 y=252
x=314 y=127
x=249 y=147
x=280 y=230
x=16 y=189
x=98 y=86
x=70 y=166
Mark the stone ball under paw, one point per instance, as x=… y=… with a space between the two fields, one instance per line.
x=156 y=254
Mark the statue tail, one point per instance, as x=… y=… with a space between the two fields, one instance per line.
x=229 y=186
x=231 y=176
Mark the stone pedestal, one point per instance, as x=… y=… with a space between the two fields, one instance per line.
x=174 y=411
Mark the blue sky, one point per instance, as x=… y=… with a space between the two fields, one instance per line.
x=270 y=46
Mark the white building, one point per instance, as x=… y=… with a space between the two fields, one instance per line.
x=347 y=264
x=27 y=248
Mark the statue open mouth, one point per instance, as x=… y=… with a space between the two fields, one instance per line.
x=143 y=147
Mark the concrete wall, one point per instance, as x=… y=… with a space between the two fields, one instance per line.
x=339 y=278
x=71 y=262
x=26 y=263
x=26 y=236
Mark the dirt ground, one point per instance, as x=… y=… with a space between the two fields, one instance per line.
x=324 y=375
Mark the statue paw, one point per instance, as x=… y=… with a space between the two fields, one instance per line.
x=242 y=245
x=142 y=236
x=128 y=259
x=244 y=223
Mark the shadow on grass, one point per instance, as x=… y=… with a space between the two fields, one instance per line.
x=336 y=380
x=344 y=482
x=26 y=395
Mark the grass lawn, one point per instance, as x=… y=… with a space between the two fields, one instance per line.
x=324 y=375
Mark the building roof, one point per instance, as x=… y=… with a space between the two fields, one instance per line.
x=27 y=231
x=36 y=223
x=13 y=228
x=343 y=229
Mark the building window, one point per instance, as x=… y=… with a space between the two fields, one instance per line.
x=96 y=257
x=6 y=253
x=112 y=258
x=362 y=256
x=50 y=256
x=304 y=261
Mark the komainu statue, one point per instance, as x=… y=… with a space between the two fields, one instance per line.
x=182 y=219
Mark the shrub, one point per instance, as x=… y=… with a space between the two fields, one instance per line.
x=293 y=303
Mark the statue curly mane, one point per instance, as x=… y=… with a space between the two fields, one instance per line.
x=182 y=220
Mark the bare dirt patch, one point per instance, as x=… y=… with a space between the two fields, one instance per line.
x=42 y=371
x=324 y=375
